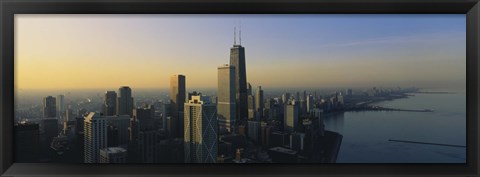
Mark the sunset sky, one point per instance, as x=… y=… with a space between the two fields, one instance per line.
x=143 y=51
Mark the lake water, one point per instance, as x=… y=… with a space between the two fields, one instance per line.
x=366 y=134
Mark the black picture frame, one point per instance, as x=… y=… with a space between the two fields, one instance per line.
x=8 y=8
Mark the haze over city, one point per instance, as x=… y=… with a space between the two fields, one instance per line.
x=143 y=51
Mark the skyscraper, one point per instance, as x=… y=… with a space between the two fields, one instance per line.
x=291 y=116
x=95 y=137
x=49 y=107
x=201 y=136
x=125 y=101
x=60 y=104
x=226 y=106
x=110 y=103
x=143 y=134
x=285 y=98
x=27 y=139
x=252 y=113
x=237 y=59
x=177 y=99
x=309 y=103
x=259 y=104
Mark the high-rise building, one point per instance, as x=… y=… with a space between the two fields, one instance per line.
x=249 y=89
x=317 y=115
x=122 y=123
x=177 y=99
x=201 y=136
x=49 y=107
x=237 y=59
x=113 y=155
x=27 y=138
x=125 y=101
x=48 y=130
x=60 y=103
x=95 y=137
x=259 y=102
x=309 y=103
x=254 y=130
x=110 y=103
x=285 y=98
x=252 y=113
x=166 y=112
x=144 y=136
x=226 y=106
x=291 y=116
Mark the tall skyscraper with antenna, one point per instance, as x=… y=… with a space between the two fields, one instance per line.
x=237 y=59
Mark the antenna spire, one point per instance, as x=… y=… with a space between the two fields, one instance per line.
x=234 y=35
x=240 y=33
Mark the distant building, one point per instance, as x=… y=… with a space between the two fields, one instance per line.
x=110 y=103
x=226 y=106
x=317 y=115
x=49 y=107
x=95 y=137
x=254 y=130
x=27 y=139
x=113 y=155
x=285 y=98
x=259 y=103
x=177 y=100
x=166 y=112
x=60 y=103
x=252 y=113
x=201 y=126
x=48 y=130
x=310 y=103
x=125 y=101
x=291 y=122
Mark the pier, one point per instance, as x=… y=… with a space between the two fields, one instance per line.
x=427 y=143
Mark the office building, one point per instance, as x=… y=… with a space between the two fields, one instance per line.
x=291 y=116
x=95 y=137
x=177 y=99
x=60 y=103
x=113 y=155
x=200 y=137
x=252 y=114
x=226 y=106
x=310 y=103
x=237 y=59
x=49 y=107
x=259 y=103
x=254 y=130
x=121 y=123
x=110 y=103
x=27 y=139
x=143 y=136
x=125 y=101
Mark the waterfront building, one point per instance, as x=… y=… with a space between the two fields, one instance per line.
x=110 y=103
x=49 y=107
x=95 y=137
x=201 y=126
x=177 y=100
x=125 y=101
x=226 y=103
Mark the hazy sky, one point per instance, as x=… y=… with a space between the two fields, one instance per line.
x=143 y=51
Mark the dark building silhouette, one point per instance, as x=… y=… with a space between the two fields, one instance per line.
x=49 y=107
x=177 y=99
x=144 y=144
x=237 y=59
x=110 y=103
x=27 y=138
x=125 y=101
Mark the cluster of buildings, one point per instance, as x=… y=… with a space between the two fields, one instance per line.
x=238 y=125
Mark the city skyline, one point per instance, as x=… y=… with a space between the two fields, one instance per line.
x=393 y=58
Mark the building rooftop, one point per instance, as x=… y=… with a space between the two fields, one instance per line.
x=283 y=150
x=113 y=150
